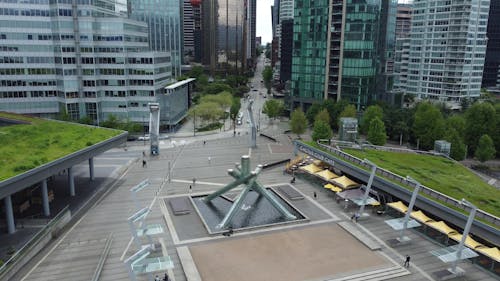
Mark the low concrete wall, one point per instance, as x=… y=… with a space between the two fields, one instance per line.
x=35 y=245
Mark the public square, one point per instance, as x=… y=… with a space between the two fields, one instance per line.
x=326 y=246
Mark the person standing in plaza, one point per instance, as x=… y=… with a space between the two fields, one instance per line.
x=407 y=261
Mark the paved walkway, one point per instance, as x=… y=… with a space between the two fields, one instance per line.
x=76 y=253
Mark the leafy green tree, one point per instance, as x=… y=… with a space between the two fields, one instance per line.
x=349 y=111
x=479 y=120
x=398 y=122
x=457 y=144
x=234 y=110
x=223 y=99
x=207 y=112
x=456 y=122
x=485 y=149
x=335 y=109
x=267 y=76
x=370 y=113
x=241 y=90
x=111 y=122
x=312 y=111
x=298 y=122
x=273 y=108
x=323 y=116
x=321 y=130
x=201 y=82
x=216 y=87
x=376 y=132
x=268 y=51
x=236 y=80
x=196 y=71
x=428 y=125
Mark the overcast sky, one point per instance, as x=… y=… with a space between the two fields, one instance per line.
x=264 y=27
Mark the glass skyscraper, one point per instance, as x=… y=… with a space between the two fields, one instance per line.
x=309 y=56
x=83 y=58
x=163 y=18
x=338 y=51
x=226 y=26
x=360 y=52
x=491 y=74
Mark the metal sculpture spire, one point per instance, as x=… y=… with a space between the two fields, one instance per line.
x=243 y=175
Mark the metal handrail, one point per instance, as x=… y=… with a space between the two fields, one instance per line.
x=32 y=242
x=429 y=191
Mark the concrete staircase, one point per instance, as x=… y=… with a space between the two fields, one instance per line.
x=375 y=275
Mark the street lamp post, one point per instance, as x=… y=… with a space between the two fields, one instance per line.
x=194 y=122
x=368 y=186
x=410 y=208
x=468 y=225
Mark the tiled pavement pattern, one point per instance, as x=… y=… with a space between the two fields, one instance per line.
x=76 y=254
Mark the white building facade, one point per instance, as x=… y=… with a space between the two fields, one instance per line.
x=447 y=49
x=85 y=60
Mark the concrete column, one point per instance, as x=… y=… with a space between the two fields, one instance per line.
x=91 y=168
x=45 y=198
x=9 y=215
x=71 y=181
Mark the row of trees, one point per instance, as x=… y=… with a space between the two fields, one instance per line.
x=234 y=84
x=217 y=100
x=475 y=131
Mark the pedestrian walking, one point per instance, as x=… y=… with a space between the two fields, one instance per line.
x=165 y=278
x=209 y=160
x=355 y=217
x=204 y=142
x=157 y=278
x=190 y=188
x=407 y=261
x=315 y=195
x=144 y=163
x=144 y=154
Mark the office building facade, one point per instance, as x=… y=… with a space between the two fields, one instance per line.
x=82 y=60
x=225 y=28
x=188 y=27
x=402 y=49
x=491 y=73
x=336 y=51
x=447 y=50
x=163 y=18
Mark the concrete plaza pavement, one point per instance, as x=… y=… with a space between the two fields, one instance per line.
x=75 y=255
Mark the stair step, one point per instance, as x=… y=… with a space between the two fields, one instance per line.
x=375 y=275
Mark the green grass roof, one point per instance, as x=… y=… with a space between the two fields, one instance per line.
x=443 y=175
x=26 y=146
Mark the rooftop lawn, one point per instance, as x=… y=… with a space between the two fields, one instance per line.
x=26 y=146
x=443 y=175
